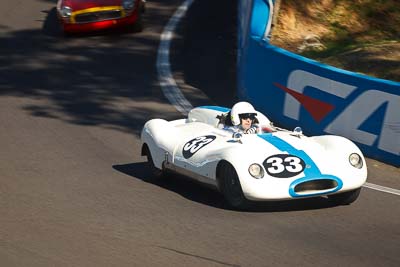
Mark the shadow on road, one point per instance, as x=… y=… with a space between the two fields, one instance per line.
x=105 y=79
x=206 y=50
x=199 y=193
x=109 y=79
x=186 y=188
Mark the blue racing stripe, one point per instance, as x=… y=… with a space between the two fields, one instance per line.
x=311 y=171
x=217 y=108
x=311 y=168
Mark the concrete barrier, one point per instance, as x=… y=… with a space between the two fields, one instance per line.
x=296 y=91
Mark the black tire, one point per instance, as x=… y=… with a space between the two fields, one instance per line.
x=138 y=26
x=157 y=173
x=345 y=198
x=68 y=34
x=143 y=8
x=231 y=188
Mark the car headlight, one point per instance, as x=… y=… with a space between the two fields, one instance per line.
x=128 y=4
x=66 y=12
x=256 y=170
x=356 y=160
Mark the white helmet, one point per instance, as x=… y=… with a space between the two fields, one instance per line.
x=241 y=108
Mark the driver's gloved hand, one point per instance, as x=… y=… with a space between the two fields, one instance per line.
x=251 y=130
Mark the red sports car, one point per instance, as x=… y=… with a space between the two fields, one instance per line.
x=93 y=15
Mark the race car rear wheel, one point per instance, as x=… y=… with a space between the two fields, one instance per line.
x=231 y=188
x=157 y=173
x=345 y=198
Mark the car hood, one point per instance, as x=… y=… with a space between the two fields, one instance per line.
x=83 y=4
x=282 y=143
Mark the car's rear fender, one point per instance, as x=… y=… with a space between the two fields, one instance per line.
x=161 y=137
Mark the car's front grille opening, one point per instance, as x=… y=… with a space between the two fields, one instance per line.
x=315 y=186
x=98 y=16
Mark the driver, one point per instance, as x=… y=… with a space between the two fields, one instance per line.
x=244 y=119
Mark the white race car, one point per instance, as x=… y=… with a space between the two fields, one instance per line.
x=274 y=164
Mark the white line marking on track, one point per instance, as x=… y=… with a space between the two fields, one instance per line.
x=382 y=188
x=171 y=90
x=167 y=81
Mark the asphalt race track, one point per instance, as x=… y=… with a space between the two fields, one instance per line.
x=74 y=190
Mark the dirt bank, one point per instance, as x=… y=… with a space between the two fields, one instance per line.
x=357 y=35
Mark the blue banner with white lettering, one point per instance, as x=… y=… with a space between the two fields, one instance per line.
x=295 y=91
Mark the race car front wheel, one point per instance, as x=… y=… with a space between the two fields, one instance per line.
x=138 y=26
x=231 y=188
x=345 y=198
